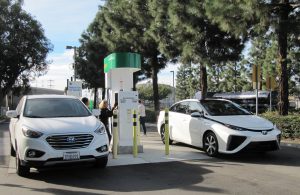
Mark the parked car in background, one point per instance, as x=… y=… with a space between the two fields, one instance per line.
x=218 y=126
x=48 y=130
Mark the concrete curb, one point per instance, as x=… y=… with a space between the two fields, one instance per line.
x=290 y=145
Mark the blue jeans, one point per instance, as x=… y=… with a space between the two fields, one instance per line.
x=142 y=121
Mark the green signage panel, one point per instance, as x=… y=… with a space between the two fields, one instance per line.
x=122 y=60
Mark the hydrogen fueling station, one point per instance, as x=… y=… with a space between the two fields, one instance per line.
x=119 y=69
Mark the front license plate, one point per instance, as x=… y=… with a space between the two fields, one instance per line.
x=71 y=156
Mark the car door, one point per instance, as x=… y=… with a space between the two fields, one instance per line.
x=178 y=122
x=14 y=121
x=196 y=124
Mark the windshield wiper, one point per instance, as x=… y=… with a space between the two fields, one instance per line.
x=33 y=116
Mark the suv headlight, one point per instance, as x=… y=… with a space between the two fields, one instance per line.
x=100 y=130
x=31 y=133
x=235 y=127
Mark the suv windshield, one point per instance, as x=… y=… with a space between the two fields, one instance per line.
x=55 y=107
x=223 y=108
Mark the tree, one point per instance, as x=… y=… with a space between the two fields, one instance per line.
x=259 y=17
x=235 y=77
x=185 y=32
x=263 y=51
x=90 y=57
x=146 y=91
x=187 y=81
x=23 y=47
x=128 y=25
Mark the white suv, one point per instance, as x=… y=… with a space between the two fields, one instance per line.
x=50 y=130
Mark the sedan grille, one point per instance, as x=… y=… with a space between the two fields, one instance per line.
x=72 y=141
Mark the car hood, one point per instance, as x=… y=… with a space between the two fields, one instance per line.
x=63 y=125
x=246 y=121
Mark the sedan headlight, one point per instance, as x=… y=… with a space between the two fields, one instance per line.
x=100 y=130
x=31 y=133
x=235 y=127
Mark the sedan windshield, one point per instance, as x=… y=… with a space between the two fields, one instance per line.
x=223 y=108
x=55 y=107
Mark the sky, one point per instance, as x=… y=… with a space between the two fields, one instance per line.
x=63 y=22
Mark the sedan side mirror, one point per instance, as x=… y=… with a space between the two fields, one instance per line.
x=12 y=114
x=197 y=114
x=96 y=112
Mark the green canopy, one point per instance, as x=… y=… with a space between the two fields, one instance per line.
x=122 y=60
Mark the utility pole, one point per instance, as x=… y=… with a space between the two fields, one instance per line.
x=50 y=83
x=235 y=76
x=173 y=86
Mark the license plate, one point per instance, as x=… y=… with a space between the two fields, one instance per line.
x=71 y=156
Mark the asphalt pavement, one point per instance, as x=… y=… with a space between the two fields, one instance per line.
x=272 y=173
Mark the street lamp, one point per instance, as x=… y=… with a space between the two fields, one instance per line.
x=173 y=86
x=75 y=51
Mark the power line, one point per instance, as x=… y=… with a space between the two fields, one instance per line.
x=50 y=83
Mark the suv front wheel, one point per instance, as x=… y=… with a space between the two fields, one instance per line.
x=22 y=171
x=101 y=163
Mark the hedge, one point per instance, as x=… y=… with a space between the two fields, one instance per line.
x=289 y=125
x=150 y=116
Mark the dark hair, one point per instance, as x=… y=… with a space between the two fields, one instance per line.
x=85 y=100
x=140 y=101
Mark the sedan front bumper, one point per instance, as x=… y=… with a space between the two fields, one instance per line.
x=232 y=141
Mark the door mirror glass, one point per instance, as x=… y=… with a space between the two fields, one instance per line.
x=197 y=114
x=96 y=112
x=12 y=114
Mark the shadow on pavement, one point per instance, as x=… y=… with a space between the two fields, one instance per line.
x=286 y=156
x=51 y=190
x=143 y=177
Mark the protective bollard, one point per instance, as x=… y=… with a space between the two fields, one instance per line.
x=138 y=129
x=134 y=128
x=167 y=148
x=115 y=134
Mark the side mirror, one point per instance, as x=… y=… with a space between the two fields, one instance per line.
x=12 y=114
x=197 y=114
x=96 y=112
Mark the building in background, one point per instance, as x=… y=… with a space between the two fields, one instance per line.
x=13 y=100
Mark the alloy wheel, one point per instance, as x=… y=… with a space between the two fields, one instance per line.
x=211 y=144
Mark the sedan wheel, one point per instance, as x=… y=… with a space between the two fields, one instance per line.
x=210 y=144
x=162 y=135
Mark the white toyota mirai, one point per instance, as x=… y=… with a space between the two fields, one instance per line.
x=219 y=126
x=50 y=130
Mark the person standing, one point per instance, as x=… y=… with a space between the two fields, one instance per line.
x=105 y=114
x=86 y=101
x=142 y=113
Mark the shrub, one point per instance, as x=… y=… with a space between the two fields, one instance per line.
x=150 y=116
x=3 y=117
x=289 y=125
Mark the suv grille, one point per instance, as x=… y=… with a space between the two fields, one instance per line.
x=72 y=141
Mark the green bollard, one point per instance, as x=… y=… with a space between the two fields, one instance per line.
x=115 y=134
x=134 y=123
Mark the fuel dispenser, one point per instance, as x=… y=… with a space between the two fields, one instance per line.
x=119 y=69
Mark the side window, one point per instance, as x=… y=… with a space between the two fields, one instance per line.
x=194 y=107
x=173 y=108
x=19 y=107
x=183 y=107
